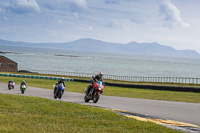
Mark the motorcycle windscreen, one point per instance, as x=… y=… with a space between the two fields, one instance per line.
x=24 y=86
x=61 y=86
x=100 y=85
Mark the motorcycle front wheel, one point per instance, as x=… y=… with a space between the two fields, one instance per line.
x=9 y=88
x=59 y=94
x=96 y=98
x=55 y=96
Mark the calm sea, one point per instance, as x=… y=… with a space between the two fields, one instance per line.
x=109 y=63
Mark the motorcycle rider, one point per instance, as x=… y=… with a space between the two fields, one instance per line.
x=23 y=83
x=12 y=82
x=98 y=77
x=62 y=80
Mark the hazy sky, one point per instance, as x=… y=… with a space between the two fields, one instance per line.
x=175 y=23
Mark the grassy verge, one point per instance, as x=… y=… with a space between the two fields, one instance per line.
x=114 y=81
x=114 y=91
x=31 y=114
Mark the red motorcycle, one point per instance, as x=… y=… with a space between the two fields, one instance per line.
x=11 y=85
x=94 y=92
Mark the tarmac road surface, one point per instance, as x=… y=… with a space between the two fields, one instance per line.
x=177 y=111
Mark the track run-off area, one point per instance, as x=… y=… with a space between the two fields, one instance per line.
x=179 y=114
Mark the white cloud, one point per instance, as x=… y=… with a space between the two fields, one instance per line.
x=75 y=15
x=28 y=4
x=81 y=3
x=78 y=5
x=20 y=6
x=171 y=14
x=111 y=1
x=60 y=22
x=52 y=33
x=90 y=28
x=64 y=5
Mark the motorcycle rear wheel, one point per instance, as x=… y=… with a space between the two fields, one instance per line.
x=86 y=99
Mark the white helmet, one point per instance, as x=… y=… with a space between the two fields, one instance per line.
x=100 y=74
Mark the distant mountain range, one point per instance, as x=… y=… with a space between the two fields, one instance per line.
x=101 y=46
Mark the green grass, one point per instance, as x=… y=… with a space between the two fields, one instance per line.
x=114 y=81
x=114 y=91
x=32 y=115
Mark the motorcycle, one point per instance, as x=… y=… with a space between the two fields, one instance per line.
x=94 y=92
x=23 y=88
x=11 y=85
x=59 y=90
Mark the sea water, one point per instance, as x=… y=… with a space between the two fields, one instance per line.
x=120 y=64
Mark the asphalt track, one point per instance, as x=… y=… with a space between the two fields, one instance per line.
x=177 y=111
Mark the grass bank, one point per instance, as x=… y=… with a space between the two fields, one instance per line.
x=32 y=114
x=114 y=91
x=114 y=81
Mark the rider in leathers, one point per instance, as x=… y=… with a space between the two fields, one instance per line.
x=62 y=80
x=98 y=77
x=23 y=83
